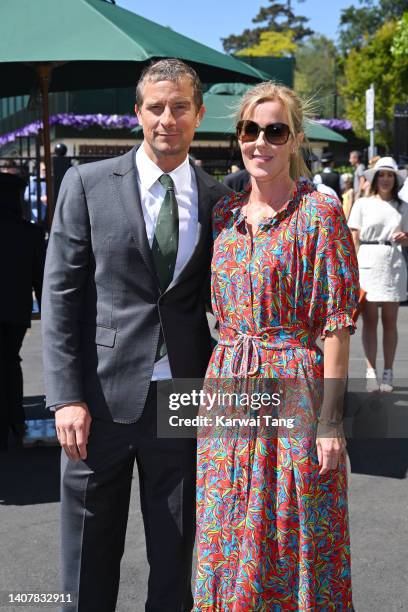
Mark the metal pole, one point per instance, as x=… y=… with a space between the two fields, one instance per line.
x=44 y=74
x=372 y=131
x=372 y=143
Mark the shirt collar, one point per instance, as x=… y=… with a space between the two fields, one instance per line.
x=149 y=173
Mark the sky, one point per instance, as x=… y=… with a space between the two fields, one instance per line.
x=207 y=21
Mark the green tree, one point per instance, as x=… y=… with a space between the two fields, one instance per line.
x=400 y=44
x=278 y=17
x=316 y=74
x=357 y=25
x=375 y=63
x=276 y=44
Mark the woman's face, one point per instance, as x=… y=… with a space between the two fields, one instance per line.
x=265 y=161
x=385 y=181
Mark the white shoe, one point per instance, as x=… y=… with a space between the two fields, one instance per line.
x=386 y=385
x=371 y=380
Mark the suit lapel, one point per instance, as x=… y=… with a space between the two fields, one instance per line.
x=124 y=179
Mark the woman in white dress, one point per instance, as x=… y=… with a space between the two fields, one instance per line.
x=379 y=224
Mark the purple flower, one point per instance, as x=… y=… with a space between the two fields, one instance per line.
x=79 y=122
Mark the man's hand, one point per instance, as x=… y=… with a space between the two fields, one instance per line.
x=73 y=422
x=329 y=451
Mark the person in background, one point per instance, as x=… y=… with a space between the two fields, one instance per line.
x=348 y=193
x=22 y=255
x=366 y=184
x=355 y=160
x=31 y=195
x=328 y=176
x=403 y=192
x=10 y=167
x=237 y=179
x=379 y=224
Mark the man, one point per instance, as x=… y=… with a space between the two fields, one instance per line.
x=31 y=196
x=22 y=254
x=359 y=180
x=328 y=176
x=128 y=258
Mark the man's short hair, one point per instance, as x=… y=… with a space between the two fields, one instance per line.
x=358 y=154
x=170 y=70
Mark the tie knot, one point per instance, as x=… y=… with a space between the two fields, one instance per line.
x=167 y=182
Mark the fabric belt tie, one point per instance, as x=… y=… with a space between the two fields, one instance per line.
x=245 y=346
x=386 y=242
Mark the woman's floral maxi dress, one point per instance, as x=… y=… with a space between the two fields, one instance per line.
x=272 y=534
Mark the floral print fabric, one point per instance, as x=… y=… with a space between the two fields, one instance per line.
x=272 y=533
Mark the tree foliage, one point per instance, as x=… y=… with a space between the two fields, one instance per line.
x=278 y=17
x=316 y=74
x=276 y=44
x=375 y=63
x=400 y=45
x=357 y=25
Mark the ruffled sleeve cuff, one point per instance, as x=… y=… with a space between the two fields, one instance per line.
x=336 y=321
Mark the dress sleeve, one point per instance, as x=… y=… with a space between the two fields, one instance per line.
x=355 y=219
x=335 y=282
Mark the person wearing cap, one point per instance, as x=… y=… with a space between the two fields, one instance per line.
x=328 y=176
x=379 y=224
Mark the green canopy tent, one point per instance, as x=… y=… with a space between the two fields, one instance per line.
x=220 y=119
x=222 y=101
x=63 y=45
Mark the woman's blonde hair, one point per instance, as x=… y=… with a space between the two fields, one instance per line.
x=297 y=112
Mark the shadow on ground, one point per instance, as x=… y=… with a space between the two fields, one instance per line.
x=29 y=476
x=379 y=457
x=376 y=426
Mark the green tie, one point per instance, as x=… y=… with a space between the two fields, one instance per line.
x=165 y=244
x=166 y=235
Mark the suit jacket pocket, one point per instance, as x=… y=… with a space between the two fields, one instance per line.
x=105 y=336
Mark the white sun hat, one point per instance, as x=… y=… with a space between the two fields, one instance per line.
x=385 y=163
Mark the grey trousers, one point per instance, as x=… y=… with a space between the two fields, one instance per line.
x=95 y=496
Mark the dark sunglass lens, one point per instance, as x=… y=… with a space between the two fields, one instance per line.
x=249 y=131
x=277 y=133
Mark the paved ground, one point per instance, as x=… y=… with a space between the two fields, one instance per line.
x=29 y=497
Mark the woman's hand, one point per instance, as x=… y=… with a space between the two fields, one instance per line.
x=329 y=452
x=330 y=440
x=400 y=238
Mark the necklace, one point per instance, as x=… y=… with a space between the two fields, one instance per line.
x=258 y=217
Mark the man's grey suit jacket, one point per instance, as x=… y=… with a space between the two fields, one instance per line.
x=102 y=305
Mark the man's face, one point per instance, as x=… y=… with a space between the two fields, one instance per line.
x=353 y=160
x=169 y=118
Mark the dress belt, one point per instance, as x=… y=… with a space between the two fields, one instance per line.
x=386 y=242
x=245 y=354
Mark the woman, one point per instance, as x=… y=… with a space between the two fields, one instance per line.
x=379 y=224
x=348 y=193
x=272 y=511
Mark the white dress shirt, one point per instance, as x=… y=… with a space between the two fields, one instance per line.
x=151 y=197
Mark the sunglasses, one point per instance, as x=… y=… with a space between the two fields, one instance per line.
x=275 y=133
